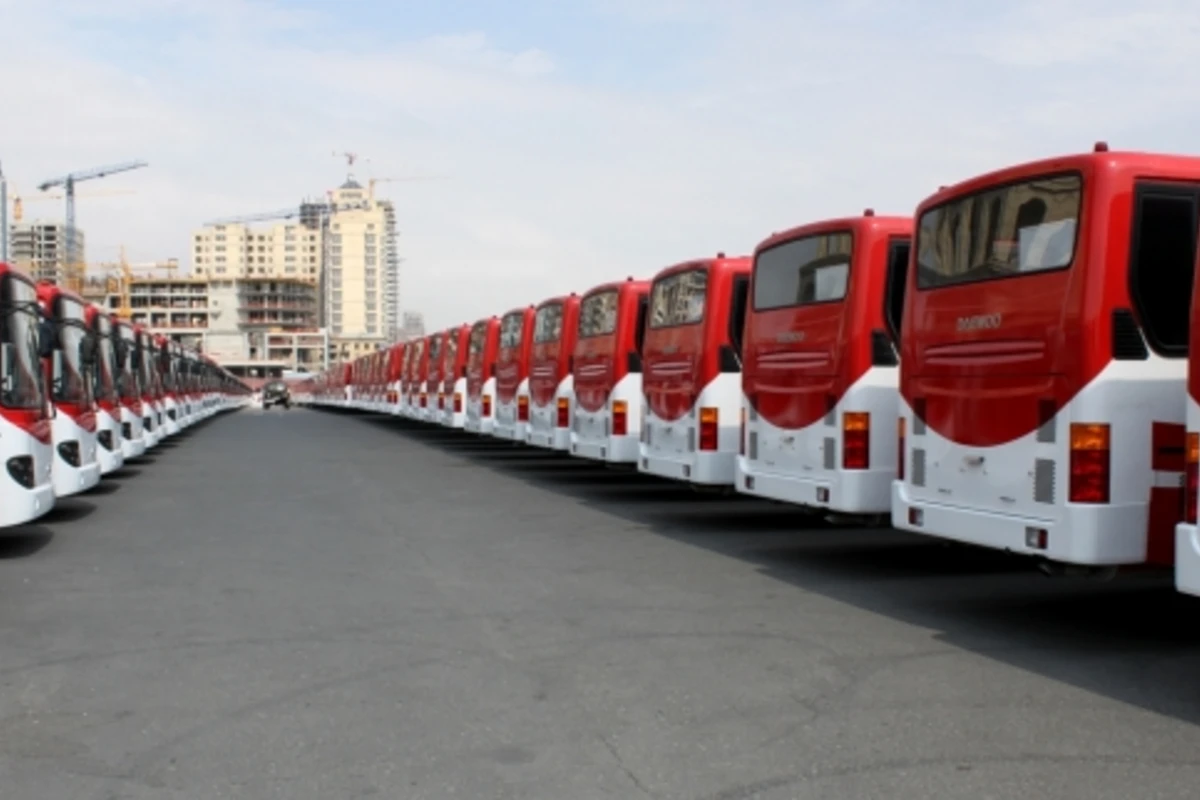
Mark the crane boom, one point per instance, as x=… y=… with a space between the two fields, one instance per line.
x=89 y=174
x=287 y=213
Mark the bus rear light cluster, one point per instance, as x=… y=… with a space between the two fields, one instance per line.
x=1192 y=476
x=709 y=427
x=522 y=408
x=620 y=418
x=486 y=405
x=1037 y=538
x=564 y=412
x=856 y=440
x=424 y=400
x=1090 y=463
x=900 y=448
x=458 y=402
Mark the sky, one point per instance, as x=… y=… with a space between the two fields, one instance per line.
x=564 y=144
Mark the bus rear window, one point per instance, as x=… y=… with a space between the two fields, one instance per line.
x=814 y=269
x=475 y=345
x=1016 y=229
x=598 y=314
x=452 y=348
x=678 y=299
x=547 y=324
x=435 y=349
x=511 y=328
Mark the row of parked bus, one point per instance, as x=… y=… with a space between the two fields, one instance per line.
x=1008 y=367
x=82 y=392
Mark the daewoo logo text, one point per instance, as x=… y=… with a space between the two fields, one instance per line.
x=979 y=322
x=790 y=336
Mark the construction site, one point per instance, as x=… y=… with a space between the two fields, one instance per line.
x=264 y=294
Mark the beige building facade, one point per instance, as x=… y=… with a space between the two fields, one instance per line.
x=40 y=249
x=286 y=250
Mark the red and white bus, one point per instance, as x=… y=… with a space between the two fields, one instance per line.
x=481 y=375
x=437 y=394
x=1187 y=532
x=819 y=373
x=168 y=372
x=1045 y=330
x=151 y=413
x=109 y=453
x=512 y=375
x=608 y=373
x=551 y=383
x=418 y=370
x=395 y=367
x=25 y=436
x=691 y=374
x=133 y=440
x=454 y=377
x=70 y=359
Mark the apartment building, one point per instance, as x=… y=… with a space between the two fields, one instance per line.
x=41 y=249
x=285 y=250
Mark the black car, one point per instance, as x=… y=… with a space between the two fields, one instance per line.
x=276 y=393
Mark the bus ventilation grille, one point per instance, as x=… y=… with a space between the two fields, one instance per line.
x=1043 y=480
x=1127 y=341
x=752 y=446
x=883 y=354
x=918 y=466
x=691 y=440
x=830 y=453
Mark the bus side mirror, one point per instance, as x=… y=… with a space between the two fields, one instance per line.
x=639 y=333
x=46 y=337
x=87 y=350
x=8 y=381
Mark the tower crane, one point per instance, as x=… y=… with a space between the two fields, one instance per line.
x=73 y=268
x=19 y=201
x=372 y=181
x=289 y=213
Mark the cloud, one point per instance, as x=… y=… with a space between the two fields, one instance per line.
x=562 y=171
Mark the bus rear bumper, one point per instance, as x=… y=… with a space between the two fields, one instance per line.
x=840 y=492
x=613 y=450
x=1101 y=535
x=1187 y=558
x=511 y=431
x=709 y=469
x=554 y=439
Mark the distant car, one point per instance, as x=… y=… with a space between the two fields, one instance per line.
x=276 y=393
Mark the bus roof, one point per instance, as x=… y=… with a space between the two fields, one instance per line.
x=698 y=263
x=866 y=221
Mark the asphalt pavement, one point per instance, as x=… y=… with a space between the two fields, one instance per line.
x=300 y=604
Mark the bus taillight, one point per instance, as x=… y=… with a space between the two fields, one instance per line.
x=458 y=402
x=708 y=428
x=424 y=400
x=1192 y=473
x=856 y=440
x=1089 y=463
x=522 y=408
x=620 y=420
x=900 y=447
x=564 y=412
x=487 y=405
x=742 y=435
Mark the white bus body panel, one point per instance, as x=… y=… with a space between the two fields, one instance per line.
x=109 y=460
x=591 y=431
x=135 y=445
x=475 y=421
x=171 y=424
x=18 y=504
x=543 y=420
x=963 y=502
x=68 y=479
x=450 y=417
x=1187 y=535
x=671 y=448
x=507 y=425
x=804 y=466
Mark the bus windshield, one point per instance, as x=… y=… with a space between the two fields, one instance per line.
x=812 y=269
x=435 y=350
x=598 y=314
x=678 y=299
x=452 y=350
x=547 y=323
x=103 y=382
x=511 y=328
x=1010 y=230
x=18 y=302
x=127 y=380
x=71 y=386
x=475 y=346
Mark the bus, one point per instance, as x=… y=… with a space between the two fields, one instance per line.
x=481 y=375
x=71 y=360
x=608 y=373
x=133 y=439
x=820 y=378
x=454 y=380
x=1045 y=328
x=151 y=416
x=25 y=433
x=512 y=375
x=395 y=365
x=551 y=383
x=433 y=377
x=109 y=453
x=691 y=372
x=1187 y=532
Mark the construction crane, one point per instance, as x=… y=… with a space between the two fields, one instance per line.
x=73 y=268
x=19 y=201
x=289 y=213
x=372 y=181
